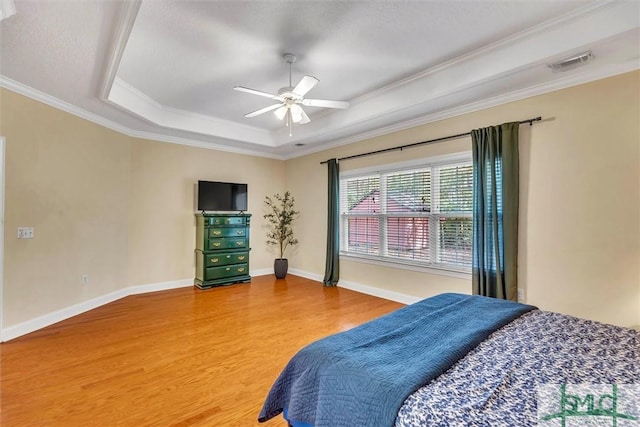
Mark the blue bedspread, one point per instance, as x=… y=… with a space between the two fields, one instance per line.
x=362 y=376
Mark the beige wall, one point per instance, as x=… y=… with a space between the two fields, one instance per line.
x=580 y=200
x=120 y=209
x=161 y=222
x=116 y=208
x=69 y=179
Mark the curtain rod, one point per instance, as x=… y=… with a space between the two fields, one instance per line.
x=444 y=138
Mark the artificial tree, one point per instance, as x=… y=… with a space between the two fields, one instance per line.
x=280 y=215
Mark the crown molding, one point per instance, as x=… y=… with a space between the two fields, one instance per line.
x=490 y=48
x=126 y=21
x=434 y=94
x=202 y=144
x=132 y=100
x=59 y=104
x=565 y=82
x=606 y=21
x=540 y=89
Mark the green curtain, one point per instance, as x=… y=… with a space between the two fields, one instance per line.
x=495 y=211
x=332 y=269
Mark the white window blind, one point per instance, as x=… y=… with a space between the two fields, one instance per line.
x=455 y=213
x=362 y=198
x=418 y=216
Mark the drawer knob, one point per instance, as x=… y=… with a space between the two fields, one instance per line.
x=216 y=232
x=214 y=259
x=216 y=244
x=241 y=257
x=228 y=256
x=228 y=268
x=239 y=243
x=240 y=269
x=240 y=232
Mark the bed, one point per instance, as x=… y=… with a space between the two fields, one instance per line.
x=459 y=360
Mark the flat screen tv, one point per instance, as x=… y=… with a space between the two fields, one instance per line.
x=221 y=196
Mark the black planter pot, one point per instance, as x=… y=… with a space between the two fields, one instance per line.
x=280 y=267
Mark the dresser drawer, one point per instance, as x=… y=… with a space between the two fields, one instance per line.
x=227 y=232
x=223 y=220
x=222 y=249
x=214 y=260
x=212 y=273
x=227 y=243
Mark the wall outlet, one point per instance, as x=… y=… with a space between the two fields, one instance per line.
x=521 y=296
x=85 y=279
x=25 y=232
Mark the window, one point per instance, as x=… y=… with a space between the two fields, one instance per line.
x=420 y=215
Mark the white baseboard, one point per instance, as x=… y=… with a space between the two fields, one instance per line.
x=379 y=292
x=306 y=274
x=40 y=322
x=359 y=287
x=261 y=272
x=162 y=286
x=45 y=320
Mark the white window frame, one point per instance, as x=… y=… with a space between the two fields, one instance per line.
x=406 y=264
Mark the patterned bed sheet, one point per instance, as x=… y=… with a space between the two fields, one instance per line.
x=496 y=383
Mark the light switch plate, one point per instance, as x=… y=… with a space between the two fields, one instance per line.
x=25 y=233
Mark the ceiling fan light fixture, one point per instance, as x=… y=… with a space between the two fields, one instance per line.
x=292 y=98
x=296 y=113
x=281 y=112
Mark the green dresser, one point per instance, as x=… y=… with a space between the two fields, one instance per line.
x=222 y=249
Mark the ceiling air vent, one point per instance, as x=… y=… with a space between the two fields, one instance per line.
x=571 y=63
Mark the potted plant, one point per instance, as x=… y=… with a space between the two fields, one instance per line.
x=280 y=216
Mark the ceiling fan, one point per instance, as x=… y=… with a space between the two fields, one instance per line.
x=289 y=99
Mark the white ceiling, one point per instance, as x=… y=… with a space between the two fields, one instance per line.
x=166 y=69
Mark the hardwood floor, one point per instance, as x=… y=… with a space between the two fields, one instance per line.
x=182 y=357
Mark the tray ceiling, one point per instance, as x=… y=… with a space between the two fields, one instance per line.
x=166 y=69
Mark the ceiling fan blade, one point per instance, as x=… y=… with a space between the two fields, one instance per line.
x=263 y=110
x=325 y=103
x=305 y=118
x=256 y=92
x=305 y=85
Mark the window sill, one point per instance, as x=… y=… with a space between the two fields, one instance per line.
x=403 y=265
